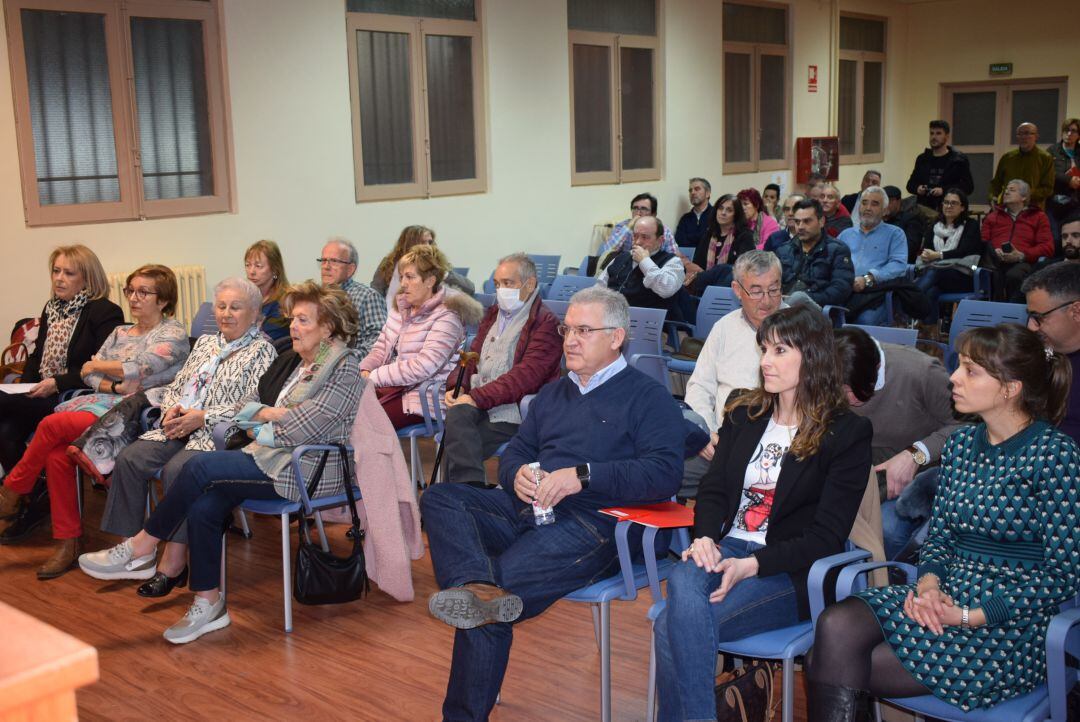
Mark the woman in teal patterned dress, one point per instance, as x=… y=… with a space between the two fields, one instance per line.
x=999 y=559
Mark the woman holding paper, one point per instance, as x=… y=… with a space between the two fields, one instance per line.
x=135 y=357
x=308 y=396
x=74 y=323
x=786 y=480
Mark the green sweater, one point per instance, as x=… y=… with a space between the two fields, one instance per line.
x=1036 y=168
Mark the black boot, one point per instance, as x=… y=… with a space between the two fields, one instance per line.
x=32 y=515
x=832 y=703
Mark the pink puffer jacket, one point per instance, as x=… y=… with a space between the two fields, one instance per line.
x=425 y=341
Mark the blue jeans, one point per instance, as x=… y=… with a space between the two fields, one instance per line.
x=485 y=535
x=209 y=487
x=896 y=530
x=689 y=629
x=877 y=316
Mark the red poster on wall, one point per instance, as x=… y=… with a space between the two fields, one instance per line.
x=811 y=79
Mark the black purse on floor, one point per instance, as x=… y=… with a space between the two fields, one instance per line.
x=321 y=577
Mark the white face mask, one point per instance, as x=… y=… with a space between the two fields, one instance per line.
x=509 y=299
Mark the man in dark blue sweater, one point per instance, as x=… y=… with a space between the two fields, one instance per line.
x=605 y=435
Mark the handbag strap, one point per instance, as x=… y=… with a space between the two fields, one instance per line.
x=346 y=477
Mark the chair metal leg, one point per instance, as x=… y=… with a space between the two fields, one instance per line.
x=240 y=521
x=877 y=711
x=605 y=662
x=650 y=702
x=596 y=626
x=787 y=699
x=286 y=570
x=224 y=548
x=322 y=531
x=414 y=463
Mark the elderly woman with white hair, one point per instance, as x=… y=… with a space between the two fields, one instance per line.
x=223 y=369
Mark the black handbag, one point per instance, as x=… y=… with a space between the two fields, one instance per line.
x=321 y=577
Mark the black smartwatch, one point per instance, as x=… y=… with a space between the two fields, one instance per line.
x=583 y=475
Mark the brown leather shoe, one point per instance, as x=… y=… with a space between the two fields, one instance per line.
x=65 y=555
x=9 y=502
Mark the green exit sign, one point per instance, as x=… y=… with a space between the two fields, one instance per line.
x=1001 y=68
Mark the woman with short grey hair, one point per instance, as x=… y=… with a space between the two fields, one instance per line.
x=223 y=368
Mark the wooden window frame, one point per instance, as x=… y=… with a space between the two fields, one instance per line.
x=861 y=57
x=615 y=42
x=756 y=51
x=132 y=204
x=417 y=29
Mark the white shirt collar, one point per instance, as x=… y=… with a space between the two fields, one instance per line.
x=880 y=383
x=598 y=378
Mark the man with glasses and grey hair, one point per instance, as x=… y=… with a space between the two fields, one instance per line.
x=519 y=351
x=337 y=264
x=1052 y=296
x=730 y=357
x=605 y=435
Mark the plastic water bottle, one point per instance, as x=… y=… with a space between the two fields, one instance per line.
x=541 y=516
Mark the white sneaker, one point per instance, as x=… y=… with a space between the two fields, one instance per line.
x=201 y=618
x=118 y=563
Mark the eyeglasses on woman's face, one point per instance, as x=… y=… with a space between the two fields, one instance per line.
x=140 y=293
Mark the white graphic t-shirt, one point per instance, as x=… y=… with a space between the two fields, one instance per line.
x=759 y=484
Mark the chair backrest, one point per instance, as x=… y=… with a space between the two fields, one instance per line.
x=462 y=271
x=563 y=287
x=888 y=334
x=487 y=300
x=647 y=337
x=557 y=307
x=583 y=269
x=547 y=267
x=716 y=302
x=688 y=251
x=204 y=321
x=975 y=314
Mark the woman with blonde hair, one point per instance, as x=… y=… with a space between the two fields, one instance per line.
x=266 y=269
x=386 y=280
x=308 y=396
x=74 y=324
x=787 y=477
x=424 y=329
x=135 y=357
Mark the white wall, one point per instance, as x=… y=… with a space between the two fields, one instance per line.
x=293 y=144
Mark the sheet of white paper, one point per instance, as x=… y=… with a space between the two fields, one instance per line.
x=16 y=388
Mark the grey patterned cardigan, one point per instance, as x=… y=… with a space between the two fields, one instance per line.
x=325 y=417
x=236 y=378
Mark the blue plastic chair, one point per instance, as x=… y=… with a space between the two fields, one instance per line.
x=487 y=300
x=462 y=271
x=1032 y=707
x=716 y=302
x=645 y=343
x=431 y=410
x=975 y=314
x=688 y=251
x=283 y=509
x=889 y=334
x=780 y=644
x=563 y=287
x=980 y=289
x=557 y=307
x=204 y=321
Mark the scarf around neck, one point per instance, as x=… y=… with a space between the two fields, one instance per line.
x=62 y=317
x=195 y=389
x=946 y=239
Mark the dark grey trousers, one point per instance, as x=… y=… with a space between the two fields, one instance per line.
x=471 y=437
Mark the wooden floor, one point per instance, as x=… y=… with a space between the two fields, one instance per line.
x=376 y=659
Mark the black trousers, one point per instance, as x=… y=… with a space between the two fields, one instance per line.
x=471 y=437
x=19 y=416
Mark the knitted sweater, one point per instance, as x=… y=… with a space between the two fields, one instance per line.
x=629 y=430
x=1035 y=167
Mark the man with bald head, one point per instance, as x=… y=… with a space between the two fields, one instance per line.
x=647 y=275
x=1029 y=163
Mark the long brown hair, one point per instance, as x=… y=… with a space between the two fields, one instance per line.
x=1009 y=352
x=272 y=253
x=820 y=394
x=410 y=236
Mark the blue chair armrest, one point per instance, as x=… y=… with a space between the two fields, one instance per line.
x=626 y=564
x=1062 y=631
x=72 y=393
x=846 y=581
x=221 y=434
x=981 y=280
x=297 y=454
x=838 y=314
x=634 y=358
x=150 y=418
x=815 y=583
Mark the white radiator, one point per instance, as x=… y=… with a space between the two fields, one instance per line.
x=190 y=287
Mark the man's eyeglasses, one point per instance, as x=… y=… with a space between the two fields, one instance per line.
x=1037 y=318
x=951 y=203
x=641 y=209
x=333 y=261
x=759 y=293
x=583 y=331
x=140 y=293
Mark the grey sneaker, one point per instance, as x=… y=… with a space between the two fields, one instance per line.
x=464 y=608
x=201 y=618
x=118 y=563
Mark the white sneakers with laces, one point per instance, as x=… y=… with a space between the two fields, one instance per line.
x=119 y=562
x=203 y=616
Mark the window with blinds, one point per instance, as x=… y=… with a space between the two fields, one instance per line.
x=757 y=90
x=416 y=86
x=861 y=89
x=98 y=148
x=615 y=87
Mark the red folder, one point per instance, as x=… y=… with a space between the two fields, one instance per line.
x=666 y=515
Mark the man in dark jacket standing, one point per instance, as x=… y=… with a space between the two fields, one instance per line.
x=939 y=168
x=520 y=350
x=814 y=263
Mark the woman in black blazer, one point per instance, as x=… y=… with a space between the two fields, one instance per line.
x=74 y=324
x=786 y=481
